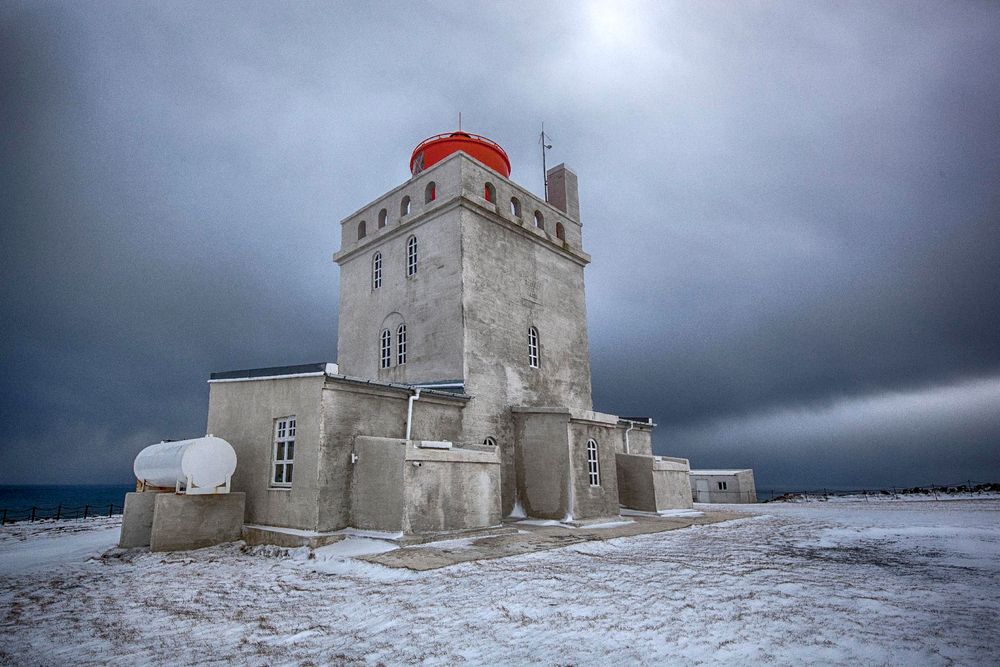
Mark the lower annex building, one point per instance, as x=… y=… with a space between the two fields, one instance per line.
x=462 y=390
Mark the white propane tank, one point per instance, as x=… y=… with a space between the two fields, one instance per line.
x=201 y=465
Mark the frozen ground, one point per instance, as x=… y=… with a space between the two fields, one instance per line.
x=899 y=583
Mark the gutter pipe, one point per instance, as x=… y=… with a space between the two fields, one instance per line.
x=409 y=411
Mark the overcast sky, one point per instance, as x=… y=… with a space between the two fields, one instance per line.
x=793 y=211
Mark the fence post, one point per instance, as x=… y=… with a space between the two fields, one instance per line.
x=3 y=521
x=110 y=507
x=33 y=508
x=58 y=512
x=86 y=509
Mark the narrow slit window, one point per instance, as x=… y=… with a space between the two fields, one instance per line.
x=593 y=465
x=489 y=193
x=430 y=192
x=539 y=220
x=404 y=207
x=377 y=270
x=386 y=348
x=284 y=451
x=533 y=347
x=560 y=231
x=383 y=217
x=362 y=230
x=401 y=344
x=411 y=256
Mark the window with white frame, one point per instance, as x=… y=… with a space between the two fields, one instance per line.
x=401 y=344
x=490 y=441
x=593 y=466
x=411 y=256
x=533 y=347
x=284 y=451
x=377 y=270
x=386 y=348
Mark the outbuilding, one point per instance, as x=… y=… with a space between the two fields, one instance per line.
x=723 y=486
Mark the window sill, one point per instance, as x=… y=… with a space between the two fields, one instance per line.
x=279 y=488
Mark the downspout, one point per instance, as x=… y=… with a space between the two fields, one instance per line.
x=631 y=425
x=409 y=411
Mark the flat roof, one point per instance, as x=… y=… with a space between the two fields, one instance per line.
x=720 y=472
x=450 y=388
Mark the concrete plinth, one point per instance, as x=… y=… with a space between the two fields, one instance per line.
x=194 y=521
x=137 y=520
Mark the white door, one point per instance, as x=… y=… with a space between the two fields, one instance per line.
x=701 y=486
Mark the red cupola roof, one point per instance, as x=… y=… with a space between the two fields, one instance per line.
x=431 y=151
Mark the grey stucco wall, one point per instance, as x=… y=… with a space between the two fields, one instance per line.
x=351 y=410
x=243 y=414
x=455 y=489
x=137 y=520
x=192 y=522
x=635 y=482
x=377 y=491
x=543 y=458
x=594 y=501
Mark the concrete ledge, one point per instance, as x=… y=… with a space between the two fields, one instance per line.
x=137 y=520
x=290 y=538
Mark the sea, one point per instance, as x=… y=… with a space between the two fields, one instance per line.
x=62 y=501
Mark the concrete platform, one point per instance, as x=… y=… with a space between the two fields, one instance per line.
x=292 y=537
x=532 y=535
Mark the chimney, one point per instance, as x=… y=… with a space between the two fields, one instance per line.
x=563 y=192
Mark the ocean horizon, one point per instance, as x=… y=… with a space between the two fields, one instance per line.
x=66 y=499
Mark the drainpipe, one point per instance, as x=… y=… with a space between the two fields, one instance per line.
x=409 y=411
x=631 y=425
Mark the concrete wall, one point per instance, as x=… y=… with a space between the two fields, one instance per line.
x=670 y=481
x=377 y=490
x=428 y=302
x=602 y=500
x=183 y=522
x=400 y=486
x=137 y=520
x=243 y=413
x=454 y=489
x=542 y=463
x=352 y=409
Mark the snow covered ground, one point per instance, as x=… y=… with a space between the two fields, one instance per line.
x=830 y=583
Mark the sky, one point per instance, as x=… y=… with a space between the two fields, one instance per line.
x=793 y=210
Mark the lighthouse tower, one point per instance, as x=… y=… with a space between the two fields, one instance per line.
x=462 y=278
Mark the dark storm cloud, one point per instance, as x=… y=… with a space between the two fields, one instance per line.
x=794 y=208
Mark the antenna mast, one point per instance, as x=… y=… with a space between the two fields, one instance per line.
x=543 y=140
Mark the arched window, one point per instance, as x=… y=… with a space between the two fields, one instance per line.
x=383 y=216
x=539 y=220
x=386 y=348
x=401 y=344
x=377 y=270
x=593 y=466
x=489 y=192
x=515 y=207
x=362 y=230
x=533 y=347
x=404 y=206
x=430 y=192
x=411 y=256
x=490 y=441
x=560 y=231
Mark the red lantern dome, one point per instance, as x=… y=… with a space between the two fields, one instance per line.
x=431 y=151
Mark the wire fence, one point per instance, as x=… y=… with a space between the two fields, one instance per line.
x=935 y=490
x=58 y=513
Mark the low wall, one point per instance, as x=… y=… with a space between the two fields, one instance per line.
x=137 y=520
x=653 y=484
x=399 y=486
